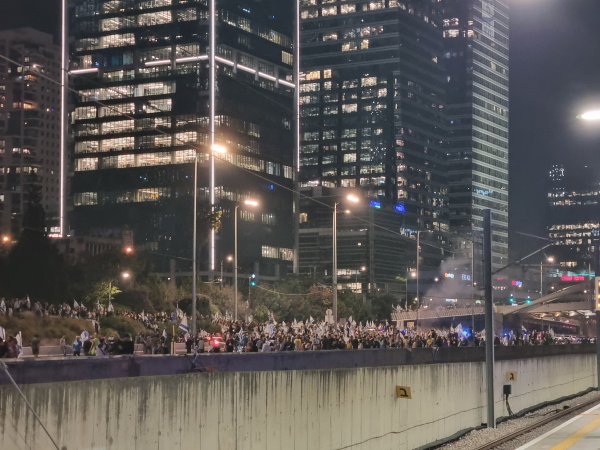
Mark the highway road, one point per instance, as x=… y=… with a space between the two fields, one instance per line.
x=582 y=432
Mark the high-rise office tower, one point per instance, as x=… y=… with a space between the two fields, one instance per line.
x=372 y=98
x=29 y=126
x=476 y=62
x=143 y=112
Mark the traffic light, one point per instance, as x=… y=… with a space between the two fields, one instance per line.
x=511 y=299
x=528 y=301
x=253 y=280
x=597 y=291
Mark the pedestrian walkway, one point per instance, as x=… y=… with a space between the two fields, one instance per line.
x=579 y=433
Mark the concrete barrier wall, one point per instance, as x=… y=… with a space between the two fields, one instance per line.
x=542 y=380
x=352 y=408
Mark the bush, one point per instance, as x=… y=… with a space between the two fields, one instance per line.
x=50 y=328
x=120 y=326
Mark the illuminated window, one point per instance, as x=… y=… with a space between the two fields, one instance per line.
x=83 y=164
x=155 y=18
x=287 y=58
x=310 y=87
x=347 y=9
x=87 y=147
x=350 y=108
x=84 y=112
x=368 y=81
x=330 y=36
x=118 y=144
x=86 y=198
x=329 y=11
x=309 y=14
x=349 y=46
x=117 y=110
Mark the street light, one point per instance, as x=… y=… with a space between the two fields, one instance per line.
x=550 y=259
x=355 y=199
x=589 y=115
x=5 y=239
x=218 y=149
x=229 y=259
x=235 y=257
x=126 y=275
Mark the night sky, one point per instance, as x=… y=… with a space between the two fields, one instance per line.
x=554 y=75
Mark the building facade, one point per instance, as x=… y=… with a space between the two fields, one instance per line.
x=476 y=57
x=29 y=127
x=142 y=115
x=574 y=217
x=372 y=98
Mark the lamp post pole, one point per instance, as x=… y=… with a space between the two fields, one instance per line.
x=418 y=257
x=235 y=264
x=334 y=274
x=194 y=245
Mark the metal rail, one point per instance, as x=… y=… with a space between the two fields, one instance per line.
x=527 y=429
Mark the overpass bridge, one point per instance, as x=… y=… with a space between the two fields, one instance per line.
x=567 y=306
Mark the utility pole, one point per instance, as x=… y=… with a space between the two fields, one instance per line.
x=334 y=274
x=418 y=257
x=473 y=286
x=489 y=316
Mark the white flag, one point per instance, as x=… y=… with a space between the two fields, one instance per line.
x=28 y=303
x=165 y=333
x=2 y=307
x=2 y=333
x=75 y=304
x=19 y=343
x=184 y=325
x=110 y=307
x=85 y=336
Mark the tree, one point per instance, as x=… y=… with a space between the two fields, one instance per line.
x=34 y=266
x=102 y=292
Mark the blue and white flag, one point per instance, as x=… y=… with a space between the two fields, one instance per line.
x=2 y=333
x=2 y=307
x=165 y=333
x=85 y=336
x=19 y=338
x=184 y=325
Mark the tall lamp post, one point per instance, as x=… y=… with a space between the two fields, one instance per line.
x=229 y=259
x=355 y=199
x=550 y=259
x=214 y=149
x=595 y=116
x=235 y=258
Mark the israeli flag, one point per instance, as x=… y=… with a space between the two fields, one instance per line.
x=2 y=333
x=184 y=325
x=20 y=344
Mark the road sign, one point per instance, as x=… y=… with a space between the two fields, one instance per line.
x=511 y=376
x=403 y=392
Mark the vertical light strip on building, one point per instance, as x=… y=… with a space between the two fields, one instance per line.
x=297 y=138
x=63 y=118
x=212 y=76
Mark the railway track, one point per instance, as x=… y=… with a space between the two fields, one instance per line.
x=527 y=429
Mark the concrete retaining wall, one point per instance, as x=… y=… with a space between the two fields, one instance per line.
x=350 y=408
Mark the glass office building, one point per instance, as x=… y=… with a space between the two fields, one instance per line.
x=476 y=56
x=143 y=113
x=29 y=127
x=372 y=98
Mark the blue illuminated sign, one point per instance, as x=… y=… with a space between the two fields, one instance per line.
x=400 y=208
x=375 y=204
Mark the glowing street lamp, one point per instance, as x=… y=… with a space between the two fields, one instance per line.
x=219 y=148
x=126 y=275
x=589 y=115
x=5 y=239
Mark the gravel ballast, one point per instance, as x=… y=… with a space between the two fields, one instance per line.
x=477 y=438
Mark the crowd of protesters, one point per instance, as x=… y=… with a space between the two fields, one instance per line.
x=250 y=336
